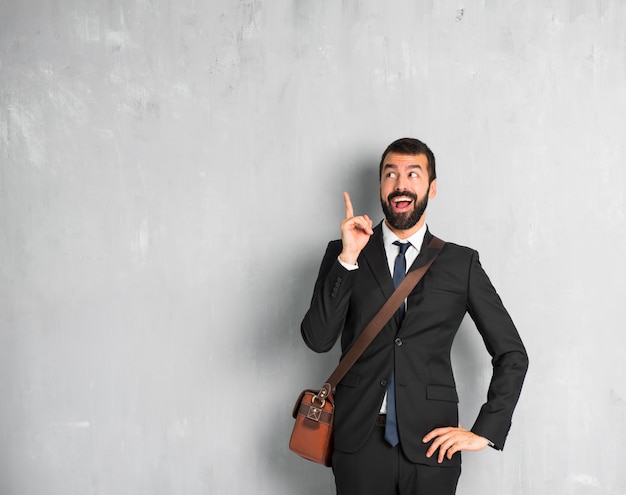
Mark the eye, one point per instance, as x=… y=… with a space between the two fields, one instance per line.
x=413 y=175
x=391 y=175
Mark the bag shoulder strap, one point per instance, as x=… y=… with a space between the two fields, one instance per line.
x=378 y=322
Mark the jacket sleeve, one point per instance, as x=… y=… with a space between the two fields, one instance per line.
x=323 y=322
x=509 y=357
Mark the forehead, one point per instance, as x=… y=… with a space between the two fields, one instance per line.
x=399 y=160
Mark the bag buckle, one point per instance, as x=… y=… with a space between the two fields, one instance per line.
x=322 y=395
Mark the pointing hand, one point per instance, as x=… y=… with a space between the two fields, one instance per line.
x=355 y=233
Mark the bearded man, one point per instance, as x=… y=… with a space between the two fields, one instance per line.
x=396 y=410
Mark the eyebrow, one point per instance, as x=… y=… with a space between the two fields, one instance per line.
x=394 y=166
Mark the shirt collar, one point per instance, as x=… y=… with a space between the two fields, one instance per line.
x=416 y=239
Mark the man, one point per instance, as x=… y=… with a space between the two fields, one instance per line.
x=396 y=417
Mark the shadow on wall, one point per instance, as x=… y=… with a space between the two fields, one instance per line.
x=281 y=349
x=294 y=367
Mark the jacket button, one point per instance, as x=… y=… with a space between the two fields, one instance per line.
x=398 y=341
x=383 y=383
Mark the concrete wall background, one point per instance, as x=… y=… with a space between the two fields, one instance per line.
x=170 y=173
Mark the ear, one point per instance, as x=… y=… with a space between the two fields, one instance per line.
x=432 y=189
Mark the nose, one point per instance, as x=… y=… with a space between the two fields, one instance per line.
x=400 y=184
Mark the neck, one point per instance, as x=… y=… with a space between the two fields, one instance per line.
x=405 y=234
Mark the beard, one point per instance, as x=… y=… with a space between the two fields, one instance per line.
x=406 y=220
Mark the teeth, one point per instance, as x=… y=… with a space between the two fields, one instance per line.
x=401 y=198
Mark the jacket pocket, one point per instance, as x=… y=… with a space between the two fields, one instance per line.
x=443 y=290
x=441 y=392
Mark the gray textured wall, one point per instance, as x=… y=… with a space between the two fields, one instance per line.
x=170 y=172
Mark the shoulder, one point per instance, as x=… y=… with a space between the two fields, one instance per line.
x=453 y=249
x=450 y=248
x=458 y=257
x=459 y=250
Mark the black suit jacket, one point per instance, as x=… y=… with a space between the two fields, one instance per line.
x=345 y=301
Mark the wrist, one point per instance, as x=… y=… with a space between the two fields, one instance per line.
x=349 y=258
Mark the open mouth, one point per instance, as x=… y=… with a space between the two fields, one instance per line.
x=401 y=203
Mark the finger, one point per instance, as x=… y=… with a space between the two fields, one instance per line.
x=451 y=451
x=444 y=450
x=431 y=450
x=359 y=223
x=369 y=224
x=447 y=448
x=430 y=435
x=436 y=445
x=435 y=433
x=444 y=438
x=349 y=209
x=456 y=446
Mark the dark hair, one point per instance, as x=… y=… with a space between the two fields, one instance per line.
x=411 y=146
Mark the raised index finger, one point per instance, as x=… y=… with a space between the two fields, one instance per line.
x=349 y=209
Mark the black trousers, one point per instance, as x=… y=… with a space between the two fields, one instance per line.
x=380 y=469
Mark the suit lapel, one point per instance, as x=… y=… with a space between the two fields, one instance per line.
x=426 y=253
x=374 y=256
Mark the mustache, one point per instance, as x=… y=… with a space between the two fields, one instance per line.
x=396 y=194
